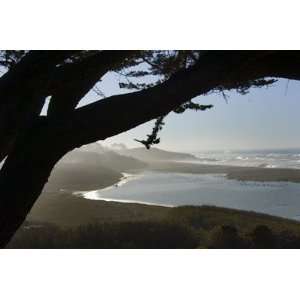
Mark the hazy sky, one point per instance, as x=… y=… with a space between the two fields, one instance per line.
x=265 y=118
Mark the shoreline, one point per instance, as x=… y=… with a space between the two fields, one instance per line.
x=113 y=183
x=90 y=194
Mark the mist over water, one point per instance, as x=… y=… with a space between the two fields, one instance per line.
x=287 y=158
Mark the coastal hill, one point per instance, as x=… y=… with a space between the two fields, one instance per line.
x=91 y=168
x=95 y=166
x=103 y=158
x=154 y=154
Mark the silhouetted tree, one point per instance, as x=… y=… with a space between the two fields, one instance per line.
x=33 y=144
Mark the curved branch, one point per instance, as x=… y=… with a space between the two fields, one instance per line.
x=72 y=82
x=120 y=113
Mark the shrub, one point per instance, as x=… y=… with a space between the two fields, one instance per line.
x=226 y=237
x=142 y=235
x=262 y=237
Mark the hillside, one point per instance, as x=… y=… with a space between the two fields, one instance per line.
x=107 y=159
x=84 y=170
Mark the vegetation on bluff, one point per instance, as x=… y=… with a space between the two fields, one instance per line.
x=180 y=227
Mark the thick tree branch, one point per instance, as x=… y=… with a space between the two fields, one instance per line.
x=71 y=82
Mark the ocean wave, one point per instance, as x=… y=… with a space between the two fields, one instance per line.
x=252 y=159
x=259 y=158
x=264 y=165
x=271 y=166
x=274 y=154
x=242 y=158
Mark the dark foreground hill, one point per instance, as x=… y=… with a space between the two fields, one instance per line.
x=115 y=225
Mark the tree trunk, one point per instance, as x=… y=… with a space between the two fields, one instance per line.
x=23 y=177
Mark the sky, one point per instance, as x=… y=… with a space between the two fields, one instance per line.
x=265 y=118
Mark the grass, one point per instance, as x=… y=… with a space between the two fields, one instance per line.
x=68 y=211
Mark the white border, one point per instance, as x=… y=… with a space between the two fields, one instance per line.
x=156 y=24
x=133 y=24
x=136 y=274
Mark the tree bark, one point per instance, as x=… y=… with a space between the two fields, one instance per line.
x=24 y=175
x=23 y=91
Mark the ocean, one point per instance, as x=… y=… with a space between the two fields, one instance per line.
x=269 y=158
